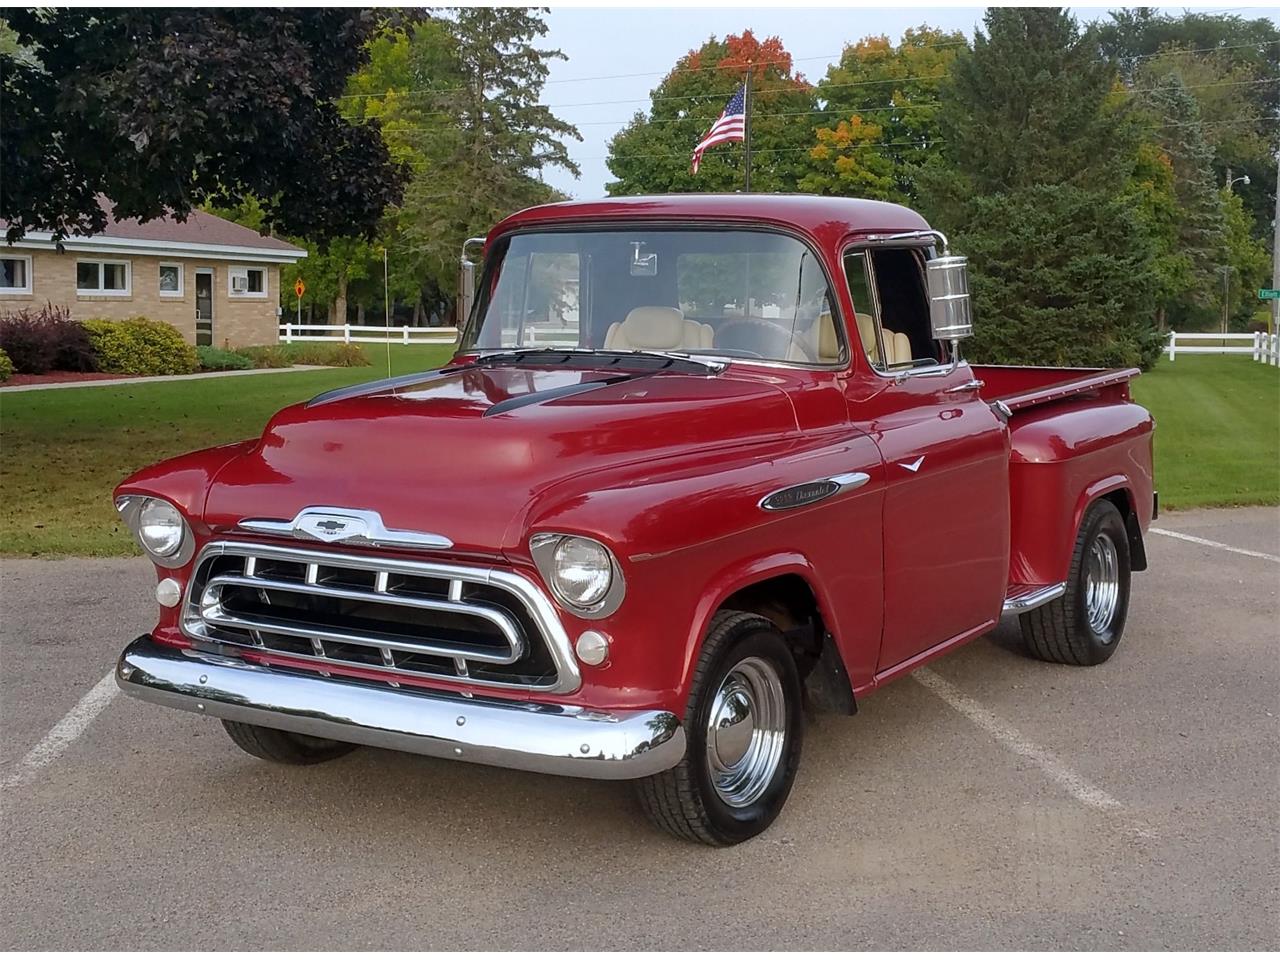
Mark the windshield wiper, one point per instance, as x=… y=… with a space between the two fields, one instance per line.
x=576 y=356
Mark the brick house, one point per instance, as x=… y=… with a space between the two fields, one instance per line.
x=216 y=281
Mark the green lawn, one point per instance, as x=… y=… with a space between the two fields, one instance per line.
x=1217 y=430
x=62 y=451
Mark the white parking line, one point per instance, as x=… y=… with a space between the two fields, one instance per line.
x=1009 y=738
x=65 y=732
x=1214 y=543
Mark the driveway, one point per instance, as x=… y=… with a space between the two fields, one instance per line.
x=992 y=802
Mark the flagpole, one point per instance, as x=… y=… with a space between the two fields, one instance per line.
x=746 y=132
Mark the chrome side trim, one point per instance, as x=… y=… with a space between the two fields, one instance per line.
x=347 y=526
x=1024 y=597
x=811 y=491
x=543 y=738
x=538 y=605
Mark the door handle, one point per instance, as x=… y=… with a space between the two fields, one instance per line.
x=965 y=387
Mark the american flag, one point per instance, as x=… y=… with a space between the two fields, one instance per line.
x=730 y=126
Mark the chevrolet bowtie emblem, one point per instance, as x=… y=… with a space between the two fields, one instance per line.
x=331 y=526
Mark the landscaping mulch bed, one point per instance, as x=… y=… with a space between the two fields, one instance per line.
x=58 y=376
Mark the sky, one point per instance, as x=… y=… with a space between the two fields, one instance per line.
x=645 y=44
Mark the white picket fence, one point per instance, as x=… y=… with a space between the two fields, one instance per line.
x=352 y=333
x=1262 y=347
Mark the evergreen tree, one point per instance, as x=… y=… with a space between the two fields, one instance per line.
x=653 y=153
x=483 y=137
x=880 y=115
x=1038 y=153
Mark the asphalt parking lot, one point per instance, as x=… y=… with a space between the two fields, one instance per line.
x=1001 y=804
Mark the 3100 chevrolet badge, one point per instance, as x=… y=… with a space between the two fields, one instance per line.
x=699 y=464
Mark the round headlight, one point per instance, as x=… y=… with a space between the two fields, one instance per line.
x=583 y=571
x=160 y=528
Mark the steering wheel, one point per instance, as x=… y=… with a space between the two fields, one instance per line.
x=762 y=335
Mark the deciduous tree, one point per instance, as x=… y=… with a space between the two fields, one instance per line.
x=163 y=109
x=880 y=114
x=652 y=154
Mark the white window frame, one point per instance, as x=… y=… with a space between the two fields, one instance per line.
x=182 y=282
x=101 y=291
x=242 y=270
x=18 y=291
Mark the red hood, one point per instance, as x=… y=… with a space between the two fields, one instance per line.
x=427 y=458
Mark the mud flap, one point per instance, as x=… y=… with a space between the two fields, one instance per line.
x=827 y=686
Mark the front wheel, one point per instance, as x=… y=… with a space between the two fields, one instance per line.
x=744 y=727
x=1083 y=627
x=281 y=746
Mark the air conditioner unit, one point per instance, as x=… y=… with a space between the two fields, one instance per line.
x=239 y=284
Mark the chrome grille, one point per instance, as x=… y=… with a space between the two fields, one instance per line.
x=401 y=618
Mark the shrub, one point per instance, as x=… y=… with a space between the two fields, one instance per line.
x=141 y=347
x=327 y=354
x=215 y=358
x=310 y=354
x=6 y=366
x=38 y=341
x=266 y=357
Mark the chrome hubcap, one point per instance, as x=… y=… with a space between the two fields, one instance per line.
x=746 y=731
x=1101 y=583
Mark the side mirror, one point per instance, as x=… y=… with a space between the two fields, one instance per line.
x=950 y=314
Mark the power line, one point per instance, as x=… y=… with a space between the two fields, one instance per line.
x=628 y=76
x=919 y=105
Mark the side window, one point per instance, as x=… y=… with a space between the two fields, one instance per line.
x=857 y=269
x=892 y=307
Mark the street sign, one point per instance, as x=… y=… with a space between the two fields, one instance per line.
x=299 y=288
x=1265 y=294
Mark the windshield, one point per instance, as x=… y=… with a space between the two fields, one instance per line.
x=728 y=293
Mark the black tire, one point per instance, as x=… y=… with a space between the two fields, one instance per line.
x=1061 y=631
x=281 y=746
x=683 y=800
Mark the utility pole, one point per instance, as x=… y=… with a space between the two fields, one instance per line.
x=746 y=131
x=1275 y=257
x=386 y=299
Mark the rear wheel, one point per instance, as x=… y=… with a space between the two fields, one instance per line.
x=1083 y=627
x=281 y=746
x=744 y=728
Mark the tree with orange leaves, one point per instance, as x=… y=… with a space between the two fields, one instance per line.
x=878 y=124
x=652 y=153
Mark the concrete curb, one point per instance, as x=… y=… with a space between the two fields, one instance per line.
x=126 y=381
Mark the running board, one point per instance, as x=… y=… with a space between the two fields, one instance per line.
x=1027 y=596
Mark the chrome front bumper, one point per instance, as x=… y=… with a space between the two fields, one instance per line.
x=543 y=738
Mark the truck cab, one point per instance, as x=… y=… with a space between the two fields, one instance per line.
x=699 y=463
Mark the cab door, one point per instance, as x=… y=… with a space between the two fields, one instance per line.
x=946 y=455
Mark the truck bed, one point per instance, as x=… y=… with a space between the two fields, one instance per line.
x=1019 y=388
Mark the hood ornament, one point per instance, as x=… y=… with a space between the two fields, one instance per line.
x=362 y=528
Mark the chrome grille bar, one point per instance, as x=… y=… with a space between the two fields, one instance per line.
x=431 y=635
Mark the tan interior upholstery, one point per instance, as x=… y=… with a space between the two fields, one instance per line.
x=827 y=348
x=898 y=346
x=658 y=328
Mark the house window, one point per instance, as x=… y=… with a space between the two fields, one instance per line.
x=102 y=276
x=247 y=282
x=170 y=279
x=15 y=274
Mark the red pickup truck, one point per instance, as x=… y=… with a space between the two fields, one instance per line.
x=700 y=463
